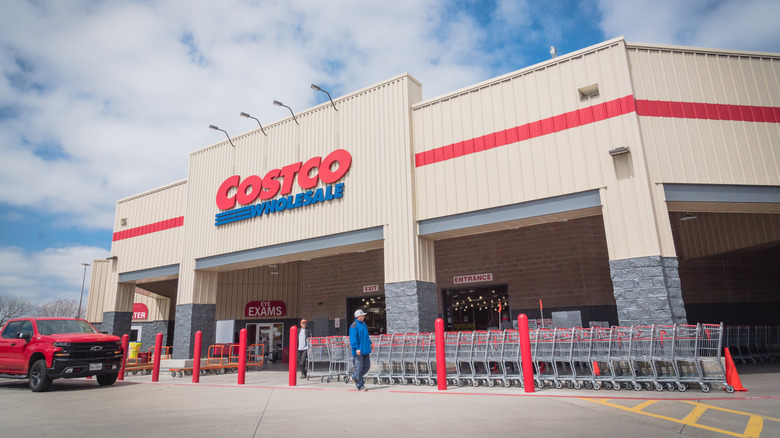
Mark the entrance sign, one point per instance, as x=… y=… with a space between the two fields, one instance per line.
x=255 y=309
x=472 y=278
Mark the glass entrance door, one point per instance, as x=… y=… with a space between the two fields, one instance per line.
x=269 y=334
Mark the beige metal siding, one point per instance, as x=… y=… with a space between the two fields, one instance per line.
x=98 y=284
x=237 y=288
x=718 y=233
x=154 y=249
x=159 y=307
x=685 y=150
x=373 y=125
x=564 y=162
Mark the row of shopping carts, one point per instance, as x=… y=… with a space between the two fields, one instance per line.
x=639 y=357
x=753 y=343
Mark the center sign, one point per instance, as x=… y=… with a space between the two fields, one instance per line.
x=245 y=192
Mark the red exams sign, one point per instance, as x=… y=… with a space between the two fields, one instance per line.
x=309 y=175
x=256 y=309
x=140 y=311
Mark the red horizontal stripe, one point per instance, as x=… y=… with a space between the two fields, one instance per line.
x=596 y=113
x=150 y=228
x=528 y=131
x=710 y=111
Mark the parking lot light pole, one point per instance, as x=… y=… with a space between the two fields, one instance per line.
x=78 y=311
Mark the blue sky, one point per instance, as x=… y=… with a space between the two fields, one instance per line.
x=101 y=100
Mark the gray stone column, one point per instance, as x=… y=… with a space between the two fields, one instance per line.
x=412 y=306
x=116 y=323
x=191 y=318
x=647 y=291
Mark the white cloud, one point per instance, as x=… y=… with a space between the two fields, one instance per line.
x=46 y=275
x=725 y=24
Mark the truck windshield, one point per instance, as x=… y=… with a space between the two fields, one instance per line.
x=56 y=326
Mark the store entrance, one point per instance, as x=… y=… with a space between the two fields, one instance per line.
x=374 y=306
x=475 y=308
x=269 y=334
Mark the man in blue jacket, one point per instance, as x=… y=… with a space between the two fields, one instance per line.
x=361 y=349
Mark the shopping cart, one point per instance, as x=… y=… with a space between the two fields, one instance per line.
x=382 y=349
x=709 y=348
x=480 y=367
x=582 y=339
x=543 y=357
x=662 y=357
x=451 y=358
x=511 y=360
x=463 y=364
x=642 y=364
x=425 y=359
x=340 y=356
x=620 y=358
x=496 y=367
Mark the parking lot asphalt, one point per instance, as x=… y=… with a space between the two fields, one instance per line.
x=267 y=406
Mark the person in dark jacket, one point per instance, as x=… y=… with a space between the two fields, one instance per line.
x=361 y=349
x=303 y=349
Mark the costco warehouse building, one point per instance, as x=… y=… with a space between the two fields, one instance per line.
x=620 y=184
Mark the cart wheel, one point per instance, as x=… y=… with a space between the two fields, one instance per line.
x=188 y=372
x=649 y=386
x=682 y=387
x=539 y=384
x=459 y=382
x=376 y=381
x=588 y=384
x=322 y=379
x=670 y=386
x=203 y=372
x=729 y=389
x=417 y=382
x=558 y=384
x=221 y=371
x=637 y=386
x=490 y=383
x=705 y=387
x=596 y=385
x=569 y=384
x=616 y=386
x=431 y=382
x=659 y=387
x=135 y=372
x=179 y=374
x=391 y=381
x=577 y=385
x=173 y=373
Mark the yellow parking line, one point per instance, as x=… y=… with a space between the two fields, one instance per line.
x=753 y=429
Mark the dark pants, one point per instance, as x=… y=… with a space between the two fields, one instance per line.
x=303 y=359
x=362 y=365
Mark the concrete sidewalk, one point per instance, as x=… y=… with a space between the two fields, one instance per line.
x=267 y=406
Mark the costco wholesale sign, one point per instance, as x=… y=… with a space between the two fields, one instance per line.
x=235 y=190
x=256 y=309
x=140 y=311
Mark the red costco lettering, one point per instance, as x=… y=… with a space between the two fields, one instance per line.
x=245 y=192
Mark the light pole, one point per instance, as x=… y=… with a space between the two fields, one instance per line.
x=78 y=311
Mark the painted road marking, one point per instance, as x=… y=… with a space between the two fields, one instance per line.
x=755 y=423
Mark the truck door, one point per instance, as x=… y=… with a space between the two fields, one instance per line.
x=12 y=347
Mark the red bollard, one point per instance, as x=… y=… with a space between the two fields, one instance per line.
x=157 y=354
x=242 y=357
x=292 y=356
x=196 y=357
x=125 y=343
x=441 y=367
x=525 y=352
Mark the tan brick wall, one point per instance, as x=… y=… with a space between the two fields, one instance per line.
x=331 y=280
x=563 y=263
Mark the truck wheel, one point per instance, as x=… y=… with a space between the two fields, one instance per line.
x=39 y=381
x=106 y=379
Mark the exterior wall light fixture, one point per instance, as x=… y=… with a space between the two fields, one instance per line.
x=258 y=122
x=623 y=150
x=277 y=103
x=316 y=87
x=226 y=134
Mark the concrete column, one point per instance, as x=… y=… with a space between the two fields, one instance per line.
x=116 y=323
x=647 y=291
x=191 y=318
x=412 y=306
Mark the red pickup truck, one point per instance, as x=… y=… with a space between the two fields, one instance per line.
x=43 y=349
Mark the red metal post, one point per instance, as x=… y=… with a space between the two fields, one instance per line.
x=196 y=357
x=242 y=357
x=157 y=354
x=292 y=355
x=525 y=352
x=125 y=343
x=441 y=366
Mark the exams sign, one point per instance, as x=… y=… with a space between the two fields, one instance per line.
x=257 y=309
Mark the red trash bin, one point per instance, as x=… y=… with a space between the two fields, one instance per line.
x=143 y=357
